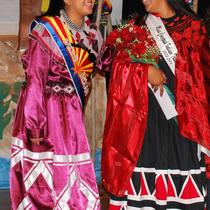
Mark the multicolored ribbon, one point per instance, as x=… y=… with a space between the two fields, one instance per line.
x=65 y=42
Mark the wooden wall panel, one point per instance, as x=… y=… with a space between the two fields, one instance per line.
x=29 y=10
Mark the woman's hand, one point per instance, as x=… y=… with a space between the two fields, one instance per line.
x=36 y=140
x=156 y=78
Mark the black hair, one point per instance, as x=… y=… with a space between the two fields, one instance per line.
x=207 y=21
x=180 y=6
x=54 y=8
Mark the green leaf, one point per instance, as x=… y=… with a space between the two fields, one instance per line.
x=4 y=90
x=4 y=122
x=17 y=87
x=144 y=61
x=4 y=106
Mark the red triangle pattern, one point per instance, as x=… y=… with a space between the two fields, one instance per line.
x=161 y=192
x=190 y=190
x=143 y=190
x=171 y=191
x=113 y=207
x=130 y=189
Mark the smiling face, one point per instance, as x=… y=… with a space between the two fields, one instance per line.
x=80 y=7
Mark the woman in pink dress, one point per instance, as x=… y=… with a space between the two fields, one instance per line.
x=51 y=167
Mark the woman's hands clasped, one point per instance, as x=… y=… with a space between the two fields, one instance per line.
x=156 y=78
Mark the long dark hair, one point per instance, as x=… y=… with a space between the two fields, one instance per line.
x=54 y=8
x=181 y=5
x=177 y=5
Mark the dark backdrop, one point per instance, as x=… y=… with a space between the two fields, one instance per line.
x=203 y=5
x=131 y=6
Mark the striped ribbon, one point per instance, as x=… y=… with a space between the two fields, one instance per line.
x=61 y=35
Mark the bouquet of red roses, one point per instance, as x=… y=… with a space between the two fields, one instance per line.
x=136 y=42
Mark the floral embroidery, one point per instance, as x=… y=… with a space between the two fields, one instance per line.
x=192 y=36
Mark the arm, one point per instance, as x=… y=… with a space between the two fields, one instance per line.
x=36 y=76
x=125 y=121
x=156 y=78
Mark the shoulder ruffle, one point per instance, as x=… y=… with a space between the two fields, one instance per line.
x=44 y=39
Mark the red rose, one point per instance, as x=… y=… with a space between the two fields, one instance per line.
x=126 y=35
x=111 y=39
x=134 y=51
x=150 y=42
x=138 y=49
x=141 y=48
x=123 y=56
x=135 y=29
x=196 y=25
x=141 y=33
x=130 y=45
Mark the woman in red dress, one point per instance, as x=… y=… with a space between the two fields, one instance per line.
x=150 y=161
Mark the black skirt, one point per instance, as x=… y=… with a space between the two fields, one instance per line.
x=170 y=173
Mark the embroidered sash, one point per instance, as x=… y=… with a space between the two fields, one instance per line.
x=76 y=58
x=168 y=51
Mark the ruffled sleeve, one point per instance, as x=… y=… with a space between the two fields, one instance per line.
x=126 y=119
x=36 y=62
x=205 y=59
x=190 y=84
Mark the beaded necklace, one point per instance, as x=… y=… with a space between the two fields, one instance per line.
x=69 y=23
x=71 y=26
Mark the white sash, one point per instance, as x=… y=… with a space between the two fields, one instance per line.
x=168 y=51
x=163 y=40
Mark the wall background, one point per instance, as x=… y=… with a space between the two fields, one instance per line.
x=15 y=17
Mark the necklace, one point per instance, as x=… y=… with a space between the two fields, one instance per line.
x=70 y=24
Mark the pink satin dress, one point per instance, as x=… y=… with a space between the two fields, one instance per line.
x=58 y=173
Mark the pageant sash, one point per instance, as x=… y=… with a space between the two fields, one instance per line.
x=163 y=40
x=64 y=40
x=168 y=51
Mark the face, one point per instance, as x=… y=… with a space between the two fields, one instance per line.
x=152 y=5
x=81 y=7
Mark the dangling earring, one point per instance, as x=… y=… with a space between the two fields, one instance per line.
x=45 y=6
